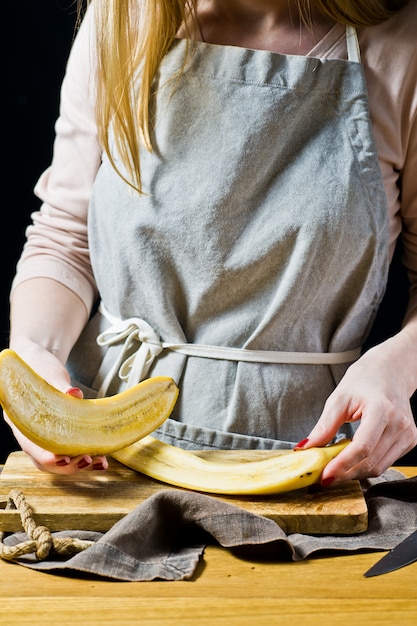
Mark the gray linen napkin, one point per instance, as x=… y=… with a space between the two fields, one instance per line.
x=165 y=537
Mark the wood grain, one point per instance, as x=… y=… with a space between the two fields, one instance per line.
x=225 y=591
x=97 y=500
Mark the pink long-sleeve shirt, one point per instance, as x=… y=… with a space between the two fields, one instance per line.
x=57 y=242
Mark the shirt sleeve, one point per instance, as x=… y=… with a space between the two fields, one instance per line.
x=409 y=210
x=57 y=239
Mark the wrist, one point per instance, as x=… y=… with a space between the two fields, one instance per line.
x=402 y=354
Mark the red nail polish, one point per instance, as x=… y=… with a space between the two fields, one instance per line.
x=82 y=464
x=98 y=466
x=62 y=462
x=74 y=391
x=301 y=444
x=328 y=481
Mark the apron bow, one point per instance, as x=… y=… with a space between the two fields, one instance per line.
x=130 y=367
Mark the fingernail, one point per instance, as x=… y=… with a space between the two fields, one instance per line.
x=301 y=444
x=82 y=464
x=98 y=466
x=328 y=481
x=74 y=391
x=62 y=462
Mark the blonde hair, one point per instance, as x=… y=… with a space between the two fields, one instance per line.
x=123 y=46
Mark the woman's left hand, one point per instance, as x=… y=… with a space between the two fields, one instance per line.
x=375 y=390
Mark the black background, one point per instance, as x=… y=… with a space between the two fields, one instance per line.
x=40 y=35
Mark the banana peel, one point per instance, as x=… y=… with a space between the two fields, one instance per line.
x=276 y=474
x=72 y=426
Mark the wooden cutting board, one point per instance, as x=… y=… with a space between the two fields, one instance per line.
x=97 y=500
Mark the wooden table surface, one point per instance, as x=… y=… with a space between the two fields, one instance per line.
x=225 y=590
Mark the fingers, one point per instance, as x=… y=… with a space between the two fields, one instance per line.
x=98 y=463
x=57 y=464
x=69 y=465
x=376 y=445
x=60 y=464
x=335 y=413
x=386 y=432
x=73 y=465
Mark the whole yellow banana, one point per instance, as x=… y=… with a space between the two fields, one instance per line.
x=276 y=474
x=67 y=425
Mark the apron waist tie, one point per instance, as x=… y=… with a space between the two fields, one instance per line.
x=134 y=368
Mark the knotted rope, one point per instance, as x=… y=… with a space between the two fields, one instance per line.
x=40 y=541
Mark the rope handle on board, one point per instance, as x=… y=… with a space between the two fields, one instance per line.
x=40 y=541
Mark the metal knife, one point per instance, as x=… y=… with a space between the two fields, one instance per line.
x=402 y=554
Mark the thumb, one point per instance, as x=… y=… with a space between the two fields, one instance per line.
x=332 y=418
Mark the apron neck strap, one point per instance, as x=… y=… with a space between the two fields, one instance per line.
x=352 y=43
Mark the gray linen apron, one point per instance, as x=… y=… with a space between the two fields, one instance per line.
x=253 y=267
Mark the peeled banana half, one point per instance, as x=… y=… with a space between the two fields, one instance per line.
x=276 y=474
x=67 y=425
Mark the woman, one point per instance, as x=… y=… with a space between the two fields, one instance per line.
x=243 y=207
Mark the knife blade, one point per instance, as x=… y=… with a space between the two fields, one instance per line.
x=401 y=555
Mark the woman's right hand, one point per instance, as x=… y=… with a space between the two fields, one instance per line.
x=51 y=369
